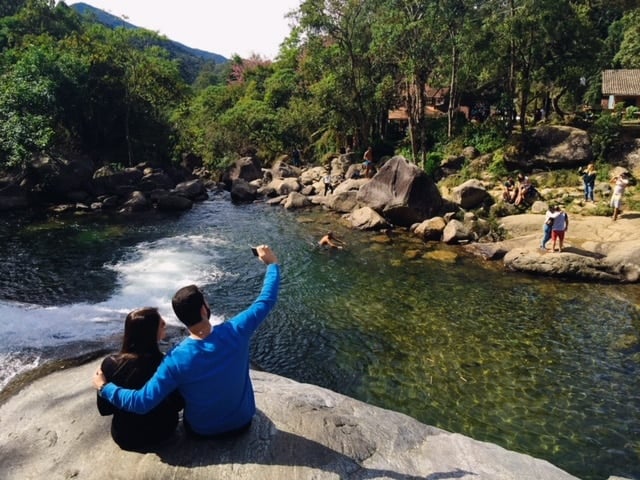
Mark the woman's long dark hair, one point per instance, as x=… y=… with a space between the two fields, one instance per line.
x=141 y=332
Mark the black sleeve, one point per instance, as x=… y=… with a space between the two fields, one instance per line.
x=175 y=400
x=104 y=406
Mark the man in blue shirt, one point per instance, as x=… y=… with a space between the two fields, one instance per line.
x=210 y=368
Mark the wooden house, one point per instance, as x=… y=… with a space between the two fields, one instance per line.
x=620 y=86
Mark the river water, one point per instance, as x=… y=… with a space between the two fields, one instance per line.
x=537 y=365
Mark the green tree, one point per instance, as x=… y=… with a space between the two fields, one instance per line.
x=39 y=89
x=339 y=66
x=10 y=7
x=628 y=56
x=68 y=84
x=454 y=15
x=406 y=34
x=135 y=86
x=26 y=124
x=199 y=125
x=33 y=18
x=542 y=61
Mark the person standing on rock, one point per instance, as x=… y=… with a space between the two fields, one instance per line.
x=210 y=368
x=559 y=228
x=620 y=184
x=547 y=226
x=369 y=168
x=295 y=157
x=328 y=186
x=589 y=180
x=136 y=363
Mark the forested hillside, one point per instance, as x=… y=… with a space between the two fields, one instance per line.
x=192 y=60
x=69 y=84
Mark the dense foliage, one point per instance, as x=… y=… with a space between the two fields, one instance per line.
x=70 y=84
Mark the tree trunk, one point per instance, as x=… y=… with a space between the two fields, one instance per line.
x=524 y=100
x=128 y=135
x=410 y=117
x=452 y=87
x=512 y=70
x=555 y=101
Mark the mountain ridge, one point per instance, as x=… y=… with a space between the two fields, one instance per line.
x=178 y=50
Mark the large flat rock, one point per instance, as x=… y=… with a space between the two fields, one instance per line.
x=51 y=430
x=595 y=248
x=582 y=228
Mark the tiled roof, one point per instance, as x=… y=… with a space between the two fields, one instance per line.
x=621 y=82
x=401 y=113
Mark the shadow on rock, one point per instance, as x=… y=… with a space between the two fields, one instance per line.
x=582 y=252
x=264 y=444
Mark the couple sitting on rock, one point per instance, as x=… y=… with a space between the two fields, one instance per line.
x=518 y=192
x=207 y=373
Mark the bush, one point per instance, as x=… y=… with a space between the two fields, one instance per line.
x=465 y=173
x=405 y=151
x=630 y=113
x=605 y=136
x=631 y=204
x=432 y=162
x=561 y=178
x=498 y=167
x=603 y=171
x=485 y=137
x=602 y=210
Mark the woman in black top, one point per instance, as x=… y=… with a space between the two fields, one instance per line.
x=589 y=178
x=131 y=368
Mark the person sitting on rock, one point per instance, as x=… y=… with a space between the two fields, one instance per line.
x=509 y=193
x=523 y=189
x=210 y=368
x=136 y=363
x=369 y=167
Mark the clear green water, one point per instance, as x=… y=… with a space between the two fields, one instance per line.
x=536 y=365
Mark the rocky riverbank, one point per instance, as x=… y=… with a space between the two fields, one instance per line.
x=400 y=196
x=595 y=249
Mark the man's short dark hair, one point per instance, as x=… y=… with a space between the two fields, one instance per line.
x=187 y=303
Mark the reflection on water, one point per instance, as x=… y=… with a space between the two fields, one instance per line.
x=536 y=365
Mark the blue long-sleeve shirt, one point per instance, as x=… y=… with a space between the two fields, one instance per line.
x=211 y=374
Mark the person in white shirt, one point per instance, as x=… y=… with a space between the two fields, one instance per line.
x=559 y=228
x=620 y=184
x=328 y=185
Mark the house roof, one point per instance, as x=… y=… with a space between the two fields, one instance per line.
x=440 y=92
x=401 y=113
x=621 y=82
